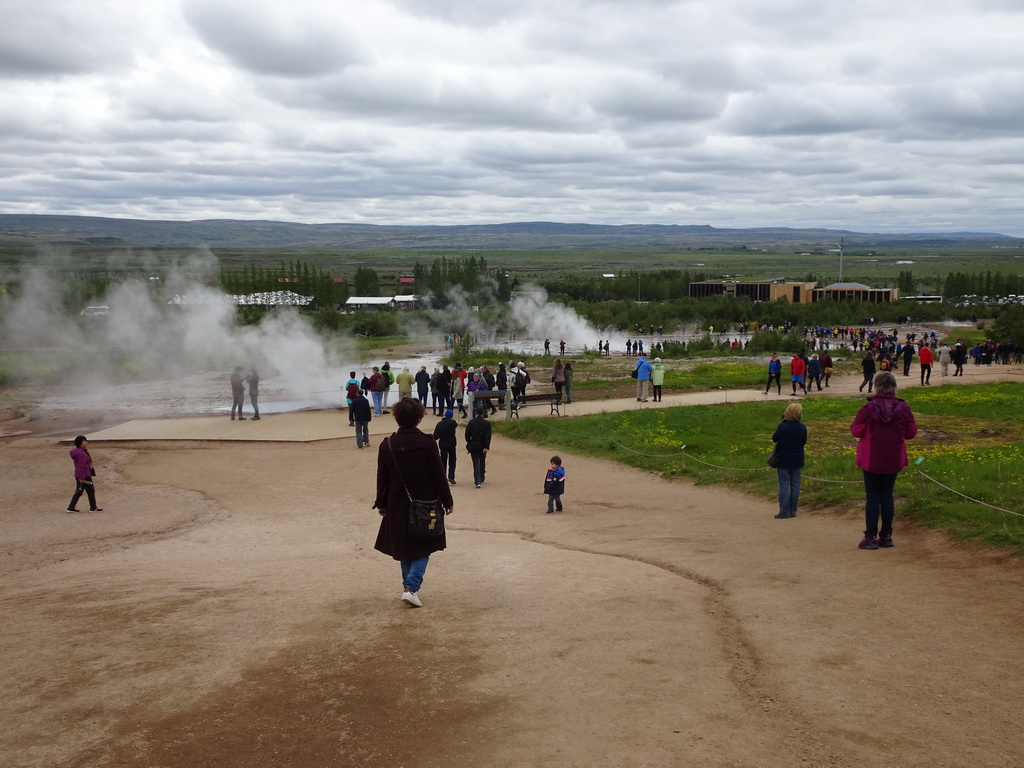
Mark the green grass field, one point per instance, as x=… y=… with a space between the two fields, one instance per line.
x=971 y=439
x=881 y=268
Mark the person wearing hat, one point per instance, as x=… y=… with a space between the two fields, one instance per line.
x=657 y=378
x=389 y=378
x=361 y=413
x=447 y=440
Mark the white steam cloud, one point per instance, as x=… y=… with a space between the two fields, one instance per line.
x=541 y=318
x=150 y=354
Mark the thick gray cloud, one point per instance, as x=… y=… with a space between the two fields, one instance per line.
x=874 y=116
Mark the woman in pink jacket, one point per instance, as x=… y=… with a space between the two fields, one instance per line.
x=883 y=424
x=84 y=473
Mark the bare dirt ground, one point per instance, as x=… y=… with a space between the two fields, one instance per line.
x=228 y=609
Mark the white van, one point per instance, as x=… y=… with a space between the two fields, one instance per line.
x=95 y=311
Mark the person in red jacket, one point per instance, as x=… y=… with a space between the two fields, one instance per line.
x=883 y=424
x=926 y=358
x=797 y=371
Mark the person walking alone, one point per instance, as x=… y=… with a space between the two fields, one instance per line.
x=408 y=461
x=447 y=440
x=478 y=443
x=882 y=425
x=84 y=473
x=868 y=366
x=554 y=485
x=926 y=358
x=774 y=374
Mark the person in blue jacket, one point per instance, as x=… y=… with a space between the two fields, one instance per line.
x=791 y=436
x=643 y=379
x=774 y=373
x=554 y=485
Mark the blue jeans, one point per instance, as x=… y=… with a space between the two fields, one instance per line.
x=878 y=502
x=412 y=573
x=554 y=502
x=376 y=402
x=362 y=433
x=789 y=489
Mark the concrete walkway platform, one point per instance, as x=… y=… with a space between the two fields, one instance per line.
x=297 y=426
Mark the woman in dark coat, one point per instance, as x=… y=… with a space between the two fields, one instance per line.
x=791 y=436
x=868 y=365
x=420 y=466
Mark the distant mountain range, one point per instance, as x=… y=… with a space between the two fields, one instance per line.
x=95 y=231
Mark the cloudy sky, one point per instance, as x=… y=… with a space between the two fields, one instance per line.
x=875 y=115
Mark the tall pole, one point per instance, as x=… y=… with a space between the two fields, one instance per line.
x=841 y=240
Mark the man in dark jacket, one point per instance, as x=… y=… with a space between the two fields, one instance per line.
x=447 y=440
x=361 y=415
x=237 y=394
x=478 y=443
x=908 y=357
x=444 y=386
x=423 y=384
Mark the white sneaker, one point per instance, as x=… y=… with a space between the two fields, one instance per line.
x=412 y=599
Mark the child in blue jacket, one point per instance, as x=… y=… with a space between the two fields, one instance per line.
x=554 y=485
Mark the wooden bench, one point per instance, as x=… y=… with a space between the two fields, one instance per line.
x=553 y=399
x=485 y=397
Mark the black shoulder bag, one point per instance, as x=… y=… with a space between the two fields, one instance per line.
x=426 y=518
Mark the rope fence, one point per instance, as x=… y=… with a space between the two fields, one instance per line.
x=682 y=450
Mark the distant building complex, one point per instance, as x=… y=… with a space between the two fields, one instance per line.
x=774 y=289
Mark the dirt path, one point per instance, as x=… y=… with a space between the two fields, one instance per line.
x=228 y=609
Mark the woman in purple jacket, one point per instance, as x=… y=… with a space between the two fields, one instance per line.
x=84 y=474
x=883 y=424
